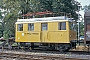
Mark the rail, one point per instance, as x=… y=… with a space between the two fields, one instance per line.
x=40 y=56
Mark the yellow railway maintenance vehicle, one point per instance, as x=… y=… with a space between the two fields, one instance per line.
x=48 y=32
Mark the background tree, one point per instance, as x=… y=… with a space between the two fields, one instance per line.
x=16 y=8
x=67 y=6
x=1 y=26
x=81 y=29
x=86 y=8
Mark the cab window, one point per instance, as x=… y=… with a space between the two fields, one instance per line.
x=44 y=26
x=72 y=26
x=20 y=27
x=31 y=27
x=62 y=26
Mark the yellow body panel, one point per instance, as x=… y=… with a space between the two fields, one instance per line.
x=52 y=35
x=72 y=35
x=58 y=37
x=28 y=37
x=52 y=26
x=37 y=27
x=25 y=27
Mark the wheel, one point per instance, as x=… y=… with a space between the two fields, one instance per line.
x=32 y=46
x=62 y=47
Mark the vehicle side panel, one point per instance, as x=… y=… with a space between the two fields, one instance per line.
x=87 y=27
x=52 y=35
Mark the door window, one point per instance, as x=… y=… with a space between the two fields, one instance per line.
x=44 y=26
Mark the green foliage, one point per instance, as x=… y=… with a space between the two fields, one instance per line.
x=14 y=9
x=11 y=13
x=1 y=17
x=86 y=8
x=67 y=6
x=81 y=29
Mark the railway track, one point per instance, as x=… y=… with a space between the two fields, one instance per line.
x=35 y=57
x=50 y=51
x=20 y=54
x=17 y=55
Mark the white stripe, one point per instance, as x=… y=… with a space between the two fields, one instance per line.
x=47 y=19
x=42 y=21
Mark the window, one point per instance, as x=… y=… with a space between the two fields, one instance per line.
x=44 y=26
x=20 y=27
x=62 y=25
x=30 y=27
x=71 y=25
